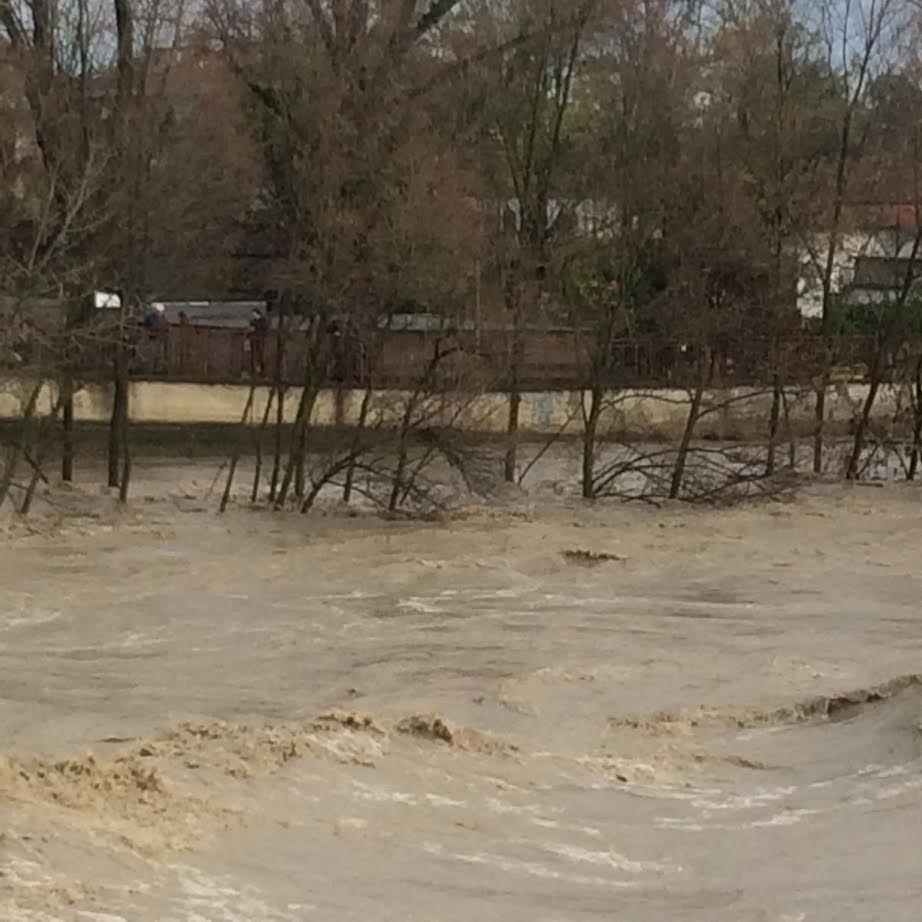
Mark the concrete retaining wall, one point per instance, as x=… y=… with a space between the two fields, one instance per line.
x=739 y=413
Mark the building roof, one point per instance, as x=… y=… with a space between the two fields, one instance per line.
x=213 y=313
x=882 y=215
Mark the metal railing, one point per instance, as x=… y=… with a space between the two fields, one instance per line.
x=398 y=359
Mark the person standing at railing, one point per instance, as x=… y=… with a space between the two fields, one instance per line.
x=161 y=339
x=256 y=339
x=155 y=322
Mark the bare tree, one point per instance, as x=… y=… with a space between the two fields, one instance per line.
x=772 y=73
x=367 y=198
x=633 y=101
x=56 y=171
x=895 y=325
x=532 y=88
x=856 y=36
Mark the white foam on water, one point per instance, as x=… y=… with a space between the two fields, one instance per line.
x=546 y=824
x=610 y=859
x=380 y=795
x=873 y=769
x=895 y=790
x=504 y=785
x=520 y=866
x=503 y=807
x=895 y=771
x=439 y=800
x=757 y=798
x=683 y=825
x=346 y=745
x=818 y=785
x=424 y=606
x=354 y=822
x=786 y=818
x=137 y=640
x=213 y=899
x=29 y=618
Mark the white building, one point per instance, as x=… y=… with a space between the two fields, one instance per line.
x=867 y=258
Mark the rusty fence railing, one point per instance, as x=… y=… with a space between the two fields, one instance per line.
x=549 y=360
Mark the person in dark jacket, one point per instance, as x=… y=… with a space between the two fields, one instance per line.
x=259 y=327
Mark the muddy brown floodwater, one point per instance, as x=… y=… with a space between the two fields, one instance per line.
x=541 y=713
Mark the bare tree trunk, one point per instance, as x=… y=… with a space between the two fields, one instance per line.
x=257 y=473
x=66 y=388
x=119 y=464
x=277 y=445
x=43 y=443
x=118 y=427
x=916 y=424
x=238 y=446
x=789 y=429
x=515 y=395
x=119 y=460
x=119 y=401
x=819 y=424
x=33 y=482
x=397 y=483
x=37 y=475
x=694 y=413
x=67 y=428
x=773 y=425
x=844 y=153
x=678 y=472
x=280 y=345
x=398 y=487
x=590 y=434
x=851 y=470
x=300 y=453
x=356 y=440
x=533 y=156
x=888 y=341
x=21 y=447
x=113 y=453
x=339 y=400
x=313 y=493
x=298 y=442
x=126 y=449
x=512 y=435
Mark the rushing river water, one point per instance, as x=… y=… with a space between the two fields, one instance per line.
x=295 y=720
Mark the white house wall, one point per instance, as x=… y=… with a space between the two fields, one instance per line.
x=851 y=246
